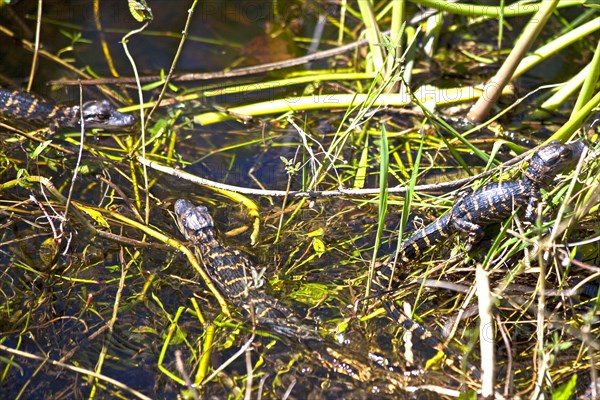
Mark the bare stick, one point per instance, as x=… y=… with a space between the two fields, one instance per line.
x=493 y=88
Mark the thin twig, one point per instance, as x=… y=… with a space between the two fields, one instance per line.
x=487 y=335
x=36 y=49
x=205 y=76
x=165 y=85
x=35 y=139
x=180 y=365
x=431 y=188
x=231 y=359
x=79 y=153
x=142 y=118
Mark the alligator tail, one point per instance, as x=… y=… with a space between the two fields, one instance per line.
x=424 y=345
x=411 y=249
x=423 y=342
x=425 y=238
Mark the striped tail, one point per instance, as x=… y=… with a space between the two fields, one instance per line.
x=425 y=345
x=411 y=249
x=423 y=342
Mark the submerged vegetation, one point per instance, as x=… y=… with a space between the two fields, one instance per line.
x=326 y=133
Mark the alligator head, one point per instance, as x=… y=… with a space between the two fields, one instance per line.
x=194 y=222
x=101 y=114
x=552 y=159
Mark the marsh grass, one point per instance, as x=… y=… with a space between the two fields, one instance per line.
x=101 y=287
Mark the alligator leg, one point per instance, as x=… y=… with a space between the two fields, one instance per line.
x=474 y=231
x=531 y=211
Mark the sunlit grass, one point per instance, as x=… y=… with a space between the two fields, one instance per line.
x=339 y=142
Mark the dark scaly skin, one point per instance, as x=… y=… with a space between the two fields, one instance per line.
x=232 y=271
x=471 y=212
x=491 y=203
x=18 y=104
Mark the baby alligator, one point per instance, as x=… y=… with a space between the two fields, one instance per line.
x=472 y=211
x=491 y=203
x=235 y=274
x=96 y=114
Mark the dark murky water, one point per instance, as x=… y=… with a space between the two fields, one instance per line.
x=61 y=310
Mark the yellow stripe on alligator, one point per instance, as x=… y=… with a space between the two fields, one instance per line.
x=235 y=280
x=12 y=100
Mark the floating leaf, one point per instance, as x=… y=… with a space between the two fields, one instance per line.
x=48 y=251
x=318 y=246
x=140 y=10
x=310 y=293
x=97 y=216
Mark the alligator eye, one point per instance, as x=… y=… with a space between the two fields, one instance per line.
x=564 y=155
x=98 y=117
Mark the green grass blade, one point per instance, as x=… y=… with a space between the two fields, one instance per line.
x=383 y=200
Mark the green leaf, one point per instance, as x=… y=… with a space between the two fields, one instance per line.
x=310 y=293
x=318 y=246
x=38 y=150
x=153 y=85
x=363 y=163
x=48 y=250
x=592 y=4
x=566 y=390
x=316 y=233
x=470 y=395
x=140 y=10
